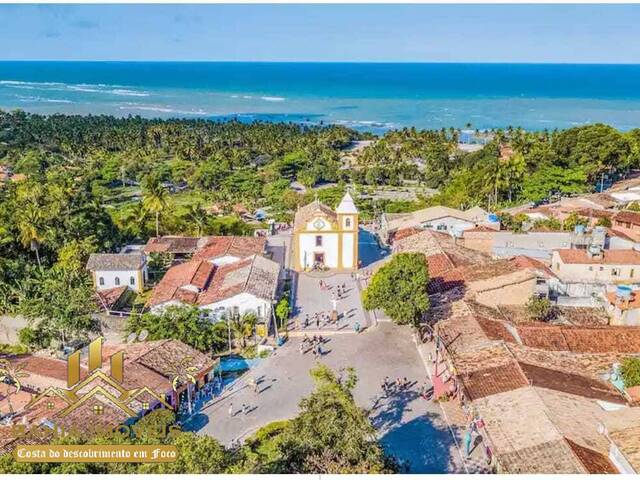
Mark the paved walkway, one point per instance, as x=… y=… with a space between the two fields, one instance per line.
x=312 y=298
x=409 y=427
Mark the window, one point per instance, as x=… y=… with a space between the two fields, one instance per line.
x=591 y=269
x=441 y=227
x=615 y=272
x=236 y=311
x=601 y=269
x=318 y=240
x=259 y=309
x=632 y=273
x=132 y=280
x=117 y=280
x=347 y=223
x=101 y=280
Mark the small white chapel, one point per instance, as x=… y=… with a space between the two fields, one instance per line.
x=324 y=239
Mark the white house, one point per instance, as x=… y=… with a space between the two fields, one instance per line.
x=246 y=285
x=111 y=270
x=439 y=218
x=593 y=265
x=326 y=239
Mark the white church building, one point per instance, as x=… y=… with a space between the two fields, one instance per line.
x=324 y=239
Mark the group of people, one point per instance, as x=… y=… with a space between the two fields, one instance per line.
x=314 y=344
x=318 y=319
x=389 y=386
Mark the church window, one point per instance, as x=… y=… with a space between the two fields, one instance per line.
x=318 y=240
x=117 y=280
x=347 y=223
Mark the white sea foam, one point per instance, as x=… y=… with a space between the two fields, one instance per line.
x=272 y=99
x=161 y=109
x=79 y=87
x=42 y=99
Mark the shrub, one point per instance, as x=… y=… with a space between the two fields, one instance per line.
x=631 y=372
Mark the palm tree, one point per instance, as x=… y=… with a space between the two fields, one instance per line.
x=30 y=225
x=243 y=326
x=154 y=198
x=198 y=217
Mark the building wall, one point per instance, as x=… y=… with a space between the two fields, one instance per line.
x=349 y=245
x=447 y=224
x=245 y=303
x=307 y=244
x=598 y=273
x=512 y=294
x=479 y=241
x=125 y=276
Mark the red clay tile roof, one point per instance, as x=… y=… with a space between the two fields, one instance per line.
x=617 y=233
x=171 y=287
x=581 y=339
x=493 y=380
x=608 y=257
x=522 y=261
x=42 y=366
x=595 y=213
x=439 y=264
x=570 y=383
x=593 y=461
x=172 y=244
x=109 y=297
x=236 y=246
x=256 y=275
x=404 y=233
x=628 y=216
x=495 y=329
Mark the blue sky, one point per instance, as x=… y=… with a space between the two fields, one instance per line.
x=400 y=33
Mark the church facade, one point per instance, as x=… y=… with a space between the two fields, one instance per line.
x=324 y=239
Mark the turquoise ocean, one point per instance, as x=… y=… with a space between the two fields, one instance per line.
x=365 y=96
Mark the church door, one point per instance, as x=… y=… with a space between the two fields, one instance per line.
x=318 y=259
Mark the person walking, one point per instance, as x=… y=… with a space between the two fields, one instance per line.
x=230 y=410
x=467 y=443
x=245 y=408
x=357 y=327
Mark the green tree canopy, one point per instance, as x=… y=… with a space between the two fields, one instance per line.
x=400 y=288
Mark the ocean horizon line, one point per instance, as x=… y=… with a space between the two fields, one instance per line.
x=323 y=62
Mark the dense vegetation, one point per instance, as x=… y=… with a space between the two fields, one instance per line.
x=94 y=183
x=331 y=434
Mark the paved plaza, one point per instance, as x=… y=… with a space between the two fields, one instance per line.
x=409 y=427
x=315 y=296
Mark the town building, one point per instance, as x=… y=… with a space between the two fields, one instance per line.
x=326 y=239
x=491 y=282
x=114 y=270
x=623 y=306
x=441 y=219
x=628 y=223
x=249 y=285
x=593 y=265
x=542 y=396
